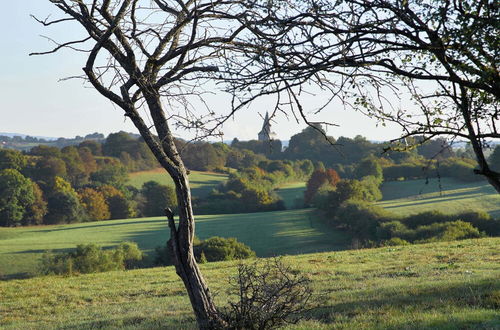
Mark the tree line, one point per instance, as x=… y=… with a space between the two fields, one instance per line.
x=348 y=204
x=87 y=182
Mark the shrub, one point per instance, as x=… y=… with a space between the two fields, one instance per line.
x=219 y=249
x=90 y=258
x=460 y=169
x=365 y=190
x=211 y=249
x=394 y=242
x=447 y=231
x=391 y=229
x=478 y=219
x=269 y=295
x=360 y=218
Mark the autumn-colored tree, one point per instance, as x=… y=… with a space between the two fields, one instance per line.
x=317 y=180
x=95 y=204
x=332 y=177
x=63 y=203
x=88 y=160
x=119 y=206
x=36 y=211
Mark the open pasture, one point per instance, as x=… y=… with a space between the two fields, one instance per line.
x=201 y=182
x=446 y=195
x=292 y=194
x=267 y=233
x=449 y=285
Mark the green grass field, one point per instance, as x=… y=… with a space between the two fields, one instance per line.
x=267 y=233
x=292 y=194
x=447 y=195
x=201 y=182
x=430 y=286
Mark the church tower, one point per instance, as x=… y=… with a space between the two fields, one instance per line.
x=266 y=134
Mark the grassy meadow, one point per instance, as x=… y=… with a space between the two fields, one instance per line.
x=201 y=182
x=448 y=285
x=267 y=233
x=446 y=195
x=292 y=194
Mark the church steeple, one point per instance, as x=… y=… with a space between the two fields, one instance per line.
x=266 y=134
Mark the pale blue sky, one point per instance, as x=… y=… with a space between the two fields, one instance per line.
x=34 y=102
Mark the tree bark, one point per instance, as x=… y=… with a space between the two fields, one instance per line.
x=182 y=235
x=484 y=169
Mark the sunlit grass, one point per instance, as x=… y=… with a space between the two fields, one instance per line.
x=446 y=195
x=430 y=286
x=201 y=182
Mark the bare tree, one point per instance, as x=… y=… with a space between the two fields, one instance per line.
x=366 y=53
x=150 y=58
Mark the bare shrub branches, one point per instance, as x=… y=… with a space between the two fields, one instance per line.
x=269 y=294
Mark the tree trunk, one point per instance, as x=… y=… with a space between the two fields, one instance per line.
x=484 y=169
x=182 y=234
x=181 y=245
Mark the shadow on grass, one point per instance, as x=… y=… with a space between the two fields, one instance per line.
x=43 y=251
x=17 y=276
x=105 y=223
x=433 y=299
x=392 y=189
x=267 y=233
x=136 y=322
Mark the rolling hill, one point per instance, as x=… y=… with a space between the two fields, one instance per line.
x=451 y=285
x=446 y=195
x=267 y=233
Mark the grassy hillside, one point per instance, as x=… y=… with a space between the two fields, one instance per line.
x=447 y=195
x=291 y=192
x=268 y=233
x=432 y=286
x=201 y=182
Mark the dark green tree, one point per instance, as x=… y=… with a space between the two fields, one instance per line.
x=16 y=196
x=47 y=168
x=368 y=166
x=157 y=198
